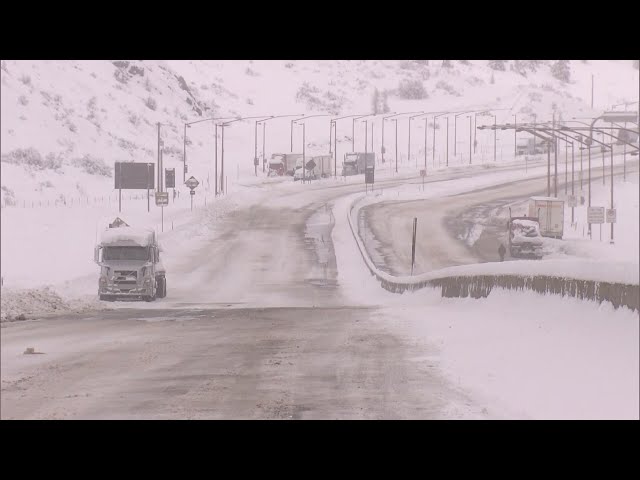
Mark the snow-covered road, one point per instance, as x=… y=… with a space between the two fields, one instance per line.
x=271 y=314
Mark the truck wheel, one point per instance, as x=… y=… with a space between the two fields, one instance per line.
x=149 y=298
x=161 y=287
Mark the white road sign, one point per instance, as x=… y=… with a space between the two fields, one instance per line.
x=595 y=215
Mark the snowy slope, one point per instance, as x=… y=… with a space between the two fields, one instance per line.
x=84 y=115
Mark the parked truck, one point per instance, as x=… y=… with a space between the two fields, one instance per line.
x=550 y=214
x=324 y=164
x=524 y=237
x=356 y=162
x=130 y=266
x=283 y=163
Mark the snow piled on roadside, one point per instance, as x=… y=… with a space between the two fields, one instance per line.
x=26 y=304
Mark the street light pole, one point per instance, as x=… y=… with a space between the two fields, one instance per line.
x=469 y=139
x=447 y=140
x=433 y=146
x=184 y=154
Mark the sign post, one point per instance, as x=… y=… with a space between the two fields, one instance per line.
x=192 y=183
x=423 y=173
x=413 y=244
x=596 y=215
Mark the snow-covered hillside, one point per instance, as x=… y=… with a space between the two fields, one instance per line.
x=63 y=119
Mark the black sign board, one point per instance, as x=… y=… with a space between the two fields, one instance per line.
x=369 y=175
x=170 y=178
x=134 y=176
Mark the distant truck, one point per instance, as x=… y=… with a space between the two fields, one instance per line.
x=356 y=162
x=282 y=164
x=524 y=237
x=323 y=165
x=130 y=266
x=550 y=214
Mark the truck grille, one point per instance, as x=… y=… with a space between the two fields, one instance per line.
x=126 y=276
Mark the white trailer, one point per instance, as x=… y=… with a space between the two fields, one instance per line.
x=550 y=214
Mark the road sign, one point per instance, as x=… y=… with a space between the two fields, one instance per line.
x=595 y=215
x=572 y=201
x=170 y=177
x=256 y=162
x=423 y=173
x=611 y=215
x=311 y=165
x=192 y=192
x=162 y=199
x=369 y=175
x=192 y=183
x=134 y=176
x=581 y=199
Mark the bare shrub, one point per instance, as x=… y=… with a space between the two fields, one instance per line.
x=411 y=90
x=151 y=103
x=22 y=100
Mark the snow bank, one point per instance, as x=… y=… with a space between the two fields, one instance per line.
x=25 y=304
x=138 y=236
x=522 y=356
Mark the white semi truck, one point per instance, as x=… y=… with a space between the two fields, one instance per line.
x=130 y=266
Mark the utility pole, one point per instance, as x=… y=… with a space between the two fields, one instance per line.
x=216 y=158
x=426 y=131
x=184 y=154
x=495 y=138
x=469 y=139
x=396 y=121
x=611 y=189
x=264 y=141
x=255 y=154
x=555 y=156
x=447 y=140
x=222 y=162
x=566 y=166
x=572 y=182
x=304 y=159
x=515 y=137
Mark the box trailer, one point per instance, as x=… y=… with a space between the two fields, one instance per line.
x=550 y=214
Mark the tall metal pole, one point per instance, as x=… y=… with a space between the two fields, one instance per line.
x=475 y=124
x=216 y=158
x=264 y=143
x=433 y=143
x=566 y=166
x=395 y=120
x=222 y=162
x=409 y=144
x=426 y=132
x=581 y=170
x=255 y=156
x=304 y=159
x=184 y=154
x=455 y=135
x=447 y=141
x=335 y=149
x=589 y=203
x=291 y=133
x=495 y=138
x=353 y=135
x=515 y=137
x=611 y=188
x=572 y=181
x=555 y=156
x=382 y=149
x=549 y=168
x=469 y=139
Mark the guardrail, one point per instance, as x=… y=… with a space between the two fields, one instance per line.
x=480 y=286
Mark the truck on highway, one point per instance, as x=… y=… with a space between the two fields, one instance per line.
x=550 y=214
x=323 y=165
x=356 y=162
x=130 y=266
x=282 y=164
x=524 y=237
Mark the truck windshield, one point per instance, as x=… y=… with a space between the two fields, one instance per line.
x=125 y=253
x=276 y=158
x=526 y=229
x=351 y=159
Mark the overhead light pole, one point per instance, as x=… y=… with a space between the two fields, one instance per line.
x=334 y=121
x=263 y=123
x=302 y=121
x=434 y=136
x=409 y=139
x=184 y=142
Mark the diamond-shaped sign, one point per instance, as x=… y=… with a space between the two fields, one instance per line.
x=311 y=165
x=192 y=183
